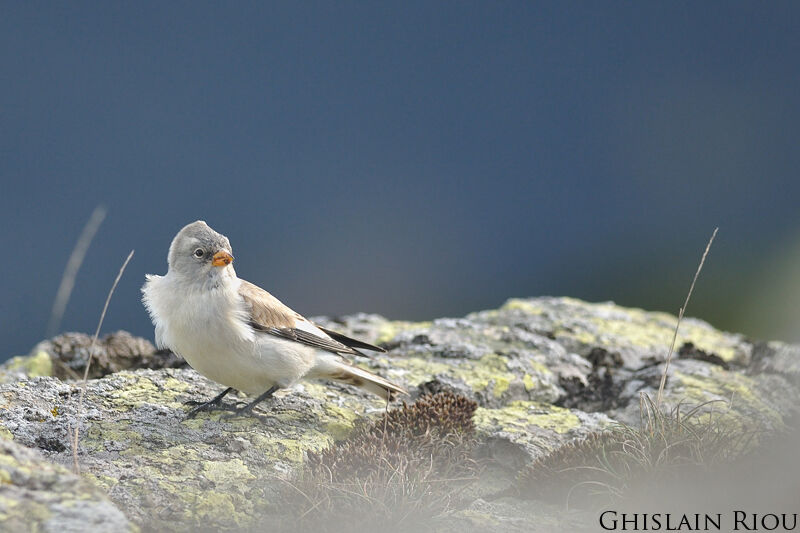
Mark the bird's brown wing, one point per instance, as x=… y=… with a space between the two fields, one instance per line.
x=269 y=315
x=349 y=341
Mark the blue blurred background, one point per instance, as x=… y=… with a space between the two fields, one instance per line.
x=414 y=159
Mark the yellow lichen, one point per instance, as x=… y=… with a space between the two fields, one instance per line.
x=620 y=326
x=106 y=483
x=491 y=370
x=193 y=423
x=341 y=421
x=37 y=365
x=388 y=330
x=172 y=384
x=527 y=380
x=519 y=416
x=233 y=471
x=214 y=505
x=735 y=389
x=141 y=390
x=102 y=431
x=417 y=370
x=526 y=306
x=709 y=340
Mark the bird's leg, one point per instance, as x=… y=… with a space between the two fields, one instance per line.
x=205 y=406
x=249 y=407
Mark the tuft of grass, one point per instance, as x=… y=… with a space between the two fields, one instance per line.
x=399 y=473
x=617 y=465
x=613 y=466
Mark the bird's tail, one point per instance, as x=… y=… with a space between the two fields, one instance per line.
x=334 y=367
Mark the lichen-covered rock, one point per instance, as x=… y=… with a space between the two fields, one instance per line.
x=589 y=358
x=37 y=495
x=543 y=372
x=166 y=471
x=65 y=357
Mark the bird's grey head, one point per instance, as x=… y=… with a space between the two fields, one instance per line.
x=198 y=251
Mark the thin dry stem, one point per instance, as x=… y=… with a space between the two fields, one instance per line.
x=73 y=266
x=680 y=318
x=75 y=465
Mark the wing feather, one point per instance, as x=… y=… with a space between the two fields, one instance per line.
x=269 y=315
x=351 y=342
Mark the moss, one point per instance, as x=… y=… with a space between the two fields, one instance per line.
x=407 y=465
x=5 y=434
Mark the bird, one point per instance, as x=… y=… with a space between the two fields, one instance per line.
x=238 y=334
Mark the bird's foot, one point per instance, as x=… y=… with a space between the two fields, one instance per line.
x=248 y=409
x=214 y=403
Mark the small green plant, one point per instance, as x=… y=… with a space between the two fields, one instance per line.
x=398 y=473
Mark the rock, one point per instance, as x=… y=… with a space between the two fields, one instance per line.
x=544 y=372
x=37 y=495
x=65 y=356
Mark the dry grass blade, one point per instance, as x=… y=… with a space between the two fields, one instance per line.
x=680 y=317
x=79 y=415
x=73 y=266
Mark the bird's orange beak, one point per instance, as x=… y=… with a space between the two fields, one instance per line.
x=222 y=259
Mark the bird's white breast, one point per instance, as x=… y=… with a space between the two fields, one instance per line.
x=206 y=326
x=209 y=327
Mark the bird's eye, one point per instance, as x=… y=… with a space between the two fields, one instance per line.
x=199 y=252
